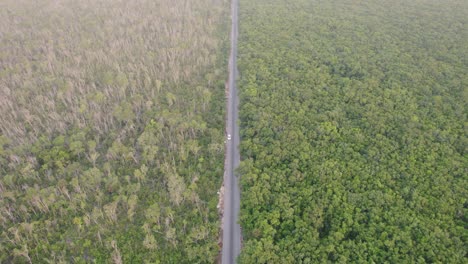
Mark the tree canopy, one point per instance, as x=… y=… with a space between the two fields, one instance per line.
x=353 y=131
x=111 y=130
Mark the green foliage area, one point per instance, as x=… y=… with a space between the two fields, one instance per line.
x=111 y=130
x=353 y=130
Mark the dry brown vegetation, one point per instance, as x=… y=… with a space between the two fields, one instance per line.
x=91 y=64
x=111 y=130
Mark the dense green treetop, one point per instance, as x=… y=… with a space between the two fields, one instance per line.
x=353 y=131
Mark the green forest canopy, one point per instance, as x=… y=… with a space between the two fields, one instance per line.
x=353 y=131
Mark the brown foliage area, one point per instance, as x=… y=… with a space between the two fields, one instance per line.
x=79 y=63
x=111 y=118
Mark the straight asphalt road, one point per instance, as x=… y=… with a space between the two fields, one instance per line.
x=231 y=228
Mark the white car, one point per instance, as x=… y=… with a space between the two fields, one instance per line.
x=228 y=136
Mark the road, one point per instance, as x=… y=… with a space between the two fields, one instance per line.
x=231 y=228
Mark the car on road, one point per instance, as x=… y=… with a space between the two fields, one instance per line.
x=228 y=136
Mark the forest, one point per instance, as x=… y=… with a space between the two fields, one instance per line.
x=353 y=131
x=111 y=130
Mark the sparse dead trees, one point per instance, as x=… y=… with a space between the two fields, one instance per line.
x=23 y=252
x=62 y=189
x=140 y=174
x=77 y=221
x=206 y=97
x=150 y=242
x=92 y=180
x=193 y=147
x=38 y=200
x=148 y=142
x=116 y=256
x=131 y=206
x=152 y=224
x=130 y=90
x=171 y=99
x=175 y=183
x=176 y=188
x=157 y=86
x=138 y=107
x=119 y=152
x=171 y=235
x=76 y=144
x=72 y=83
x=124 y=113
x=153 y=214
x=110 y=210
x=92 y=155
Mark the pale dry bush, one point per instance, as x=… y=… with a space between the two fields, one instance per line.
x=96 y=64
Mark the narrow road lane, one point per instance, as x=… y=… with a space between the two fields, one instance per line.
x=231 y=228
